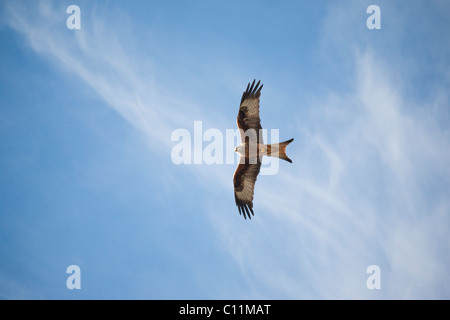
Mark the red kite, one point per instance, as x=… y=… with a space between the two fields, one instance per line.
x=252 y=149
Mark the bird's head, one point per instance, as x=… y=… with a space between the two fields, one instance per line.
x=240 y=149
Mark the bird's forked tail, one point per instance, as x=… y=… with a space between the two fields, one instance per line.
x=279 y=150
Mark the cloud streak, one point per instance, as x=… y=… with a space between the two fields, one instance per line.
x=115 y=70
x=359 y=192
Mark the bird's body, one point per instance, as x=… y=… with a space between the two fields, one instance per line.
x=252 y=149
x=251 y=153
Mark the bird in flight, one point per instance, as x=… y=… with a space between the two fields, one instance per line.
x=252 y=149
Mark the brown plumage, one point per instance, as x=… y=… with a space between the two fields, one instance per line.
x=252 y=149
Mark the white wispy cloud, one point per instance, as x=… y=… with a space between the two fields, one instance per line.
x=359 y=191
x=373 y=207
x=106 y=62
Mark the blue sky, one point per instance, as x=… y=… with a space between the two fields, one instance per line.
x=86 y=118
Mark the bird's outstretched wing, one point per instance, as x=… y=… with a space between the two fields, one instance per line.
x=244 y=184
x=248 y=116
